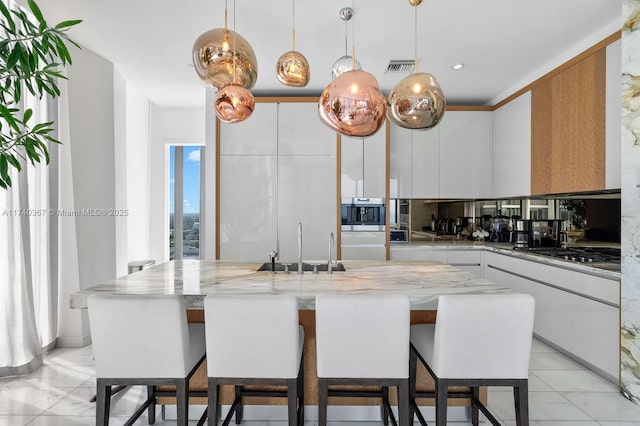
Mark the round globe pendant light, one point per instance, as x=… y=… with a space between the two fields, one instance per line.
x=292 y=67
x=417 y=101
x=352 y=104
x=233 y=103
x=345 y=63
x=221 y=56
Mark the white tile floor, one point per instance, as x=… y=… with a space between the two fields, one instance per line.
x=561 y=393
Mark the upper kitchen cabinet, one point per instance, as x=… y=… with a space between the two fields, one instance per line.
x=465 y=154
x=451 y=160
x=568 y=148
x=400 y=155
x=301 y=132
x=363 y=161
x=425 y=163
x=512 y=148
x=414 y=167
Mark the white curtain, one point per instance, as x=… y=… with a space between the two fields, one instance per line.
x=28 y=265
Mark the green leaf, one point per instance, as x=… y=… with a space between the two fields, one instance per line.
x=36 y=11
x=14 y=161
x=67 y=24
x=7 y=15
x=8 y=116
x=27 y=115
x=14 y=56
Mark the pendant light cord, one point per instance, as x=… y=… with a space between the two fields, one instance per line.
x=415 y=39
x=293 y=34
x=235 y=52
x=353 y=37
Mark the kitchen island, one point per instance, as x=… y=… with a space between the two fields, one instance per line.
x=422 y=281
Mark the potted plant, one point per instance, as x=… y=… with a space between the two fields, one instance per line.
x=31 y=55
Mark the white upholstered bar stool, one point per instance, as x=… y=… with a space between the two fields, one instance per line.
x=363 y=340
x=144 y=340
x=477 y=340
x=254 y=340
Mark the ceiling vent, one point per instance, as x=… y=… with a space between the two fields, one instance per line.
x=402 y=65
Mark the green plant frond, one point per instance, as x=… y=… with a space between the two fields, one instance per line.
x=67 y=24
x=5 y=11
x=36 y=12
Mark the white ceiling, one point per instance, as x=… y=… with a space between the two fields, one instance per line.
x=504 y=44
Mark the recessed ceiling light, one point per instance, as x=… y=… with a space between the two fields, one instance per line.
x=458 y=66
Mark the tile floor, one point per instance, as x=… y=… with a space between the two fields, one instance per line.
x=561 y=393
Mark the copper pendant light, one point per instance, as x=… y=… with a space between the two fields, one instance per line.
x=234 y=103
x=345 y=63
x=417 y=101
x=352 y=103
x=221 y=56
x=292 y=67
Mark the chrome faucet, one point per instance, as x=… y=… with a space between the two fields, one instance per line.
x=300 y=247
x=330 y=263
x=272 y=257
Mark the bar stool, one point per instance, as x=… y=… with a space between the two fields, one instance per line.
x=144 y=340
x=477 y=340
x=254 y=340
x=363 y=340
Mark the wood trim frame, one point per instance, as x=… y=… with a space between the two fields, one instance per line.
x=571 y=62
x=338 y=239
x=217 y=188
x=387 y=190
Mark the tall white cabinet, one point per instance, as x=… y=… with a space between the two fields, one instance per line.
x=277 y=168
x=512 y=148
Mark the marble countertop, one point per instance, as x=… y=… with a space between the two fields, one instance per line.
x=422 y=281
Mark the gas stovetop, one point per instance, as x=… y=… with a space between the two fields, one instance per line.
x=598 y=257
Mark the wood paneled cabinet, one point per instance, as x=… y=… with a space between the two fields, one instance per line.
x=575 y=134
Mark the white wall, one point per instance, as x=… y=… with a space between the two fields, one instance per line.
x=138 y=185
x=168 y=126
x=91 y=135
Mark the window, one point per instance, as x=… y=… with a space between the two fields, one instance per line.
x=185 y=176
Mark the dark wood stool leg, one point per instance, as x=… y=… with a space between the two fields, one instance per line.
x=413 y=368
x=323 y=398
x=213 y=408
x=521 y=398
x=442 y=389
x=151 y=411
x=103 y=403
x=182 y=402
x=475 y=396
x=403 y=404
x=383 y=407
x=292 y=401
x=300 y=384
x=239 y=408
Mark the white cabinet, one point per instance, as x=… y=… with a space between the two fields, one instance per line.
x=467 y=260
x=400 y=157
x=512 y=148
x=277 y=168
x=363 y=246
x=613 y=118
x=575 y=311
x=364 y=166
x=248 y=208
x=414 y=165
x=451 y=160
x=425 y=163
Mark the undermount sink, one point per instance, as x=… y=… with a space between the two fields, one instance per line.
x=306 y=267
